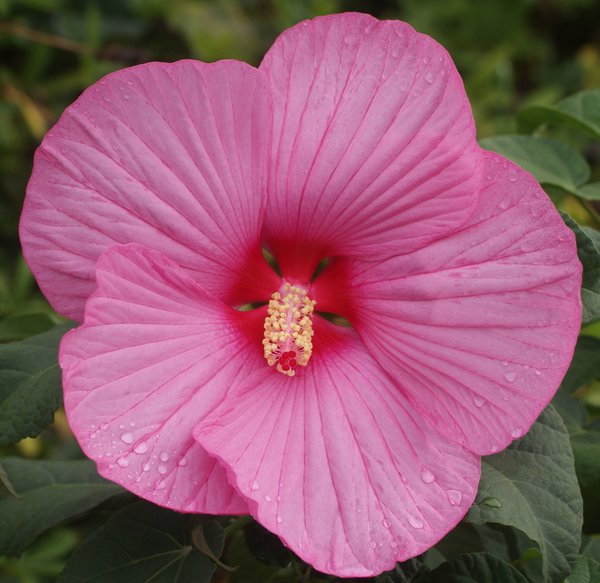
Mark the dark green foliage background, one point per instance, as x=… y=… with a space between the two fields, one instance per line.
x=519 y=59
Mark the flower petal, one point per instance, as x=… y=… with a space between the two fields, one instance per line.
x=374 y=143
x=155 y=354
x=168 y=155
x=479 y=327
x=333 y=461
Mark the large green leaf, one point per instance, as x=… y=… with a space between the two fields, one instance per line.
x=552 y=163
x=144 y=543
x=586 y=449
x=532 y=486
x=585 y=366
x=586 y=570
x=48 y=492
x=30 y=385
x=589 y=255
x=580 y=111
x=475 y=568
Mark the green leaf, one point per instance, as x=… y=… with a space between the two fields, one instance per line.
x=144 y=543
x=585 y=366
x=410 y=571
x=586 y=570
x=589 y=255
x=586 y=449
x=592 y=548
x=23 y=325
x=49 y=492
x=30 y=385
x=571 y=410
x=475 y=568
x=552 y=163
x=266 y=546
x=590 y=191
x=535 y=483
x=580 y=111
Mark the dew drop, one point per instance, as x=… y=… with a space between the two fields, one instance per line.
x=182 y=462
x=454 y=497
x=513 y=177
x=386 y=523
x=129 y=82
x=493 y=448
x=164 y=457
x=504 y=203
x=517 y=432
x=254 y=486
x=268 y=498
x=427 y=476
x=373 y=544
x=278 y=498
x=146 y=468
x=538 y=372
x=127 y=438
x=429 y=78
x=505 y=363
x=104 y=426
x=478 y=401
x=141 y=447
x=162 y=469
x=492 y=502
x=132 y=424
x=161 y=485
x=122 y=462
x=393 y=544
x=415 y=522
x=94 y=435
x=279 y=520
x=510 y=376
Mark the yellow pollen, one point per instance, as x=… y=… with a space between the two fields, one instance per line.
x=288 y=335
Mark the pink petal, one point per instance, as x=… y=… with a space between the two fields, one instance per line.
x=479 y=327
x=374 y=143
x=155 y=354
x=334 y=462
x=169 y=155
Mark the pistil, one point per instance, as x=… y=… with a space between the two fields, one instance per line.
x=288 y=329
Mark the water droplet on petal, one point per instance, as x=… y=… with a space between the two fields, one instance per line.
x=123 y=462
x=505 y=203
x=268 y=498
x=415 y=522
x=141 y=447
x=164 y=457
x=146 y=468
x=454 y=497
x=505 y=363
x=182 y=462
x=254 y=486
x=478 y=401
x=538 y=372
x=279 y=520
x=393 y=544
x=278 y=498
x=517 y=432
x=386 y=523
x=127 y=438
x=427 y=476
x=161 y=485
x=510 y=376
x=429 y=78
x=493 y=448
x=373 y=544
x=513 y=177
x=94 y=435
x=492 y=502
x=162 y=469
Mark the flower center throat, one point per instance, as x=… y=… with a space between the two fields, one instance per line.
x=288 y=329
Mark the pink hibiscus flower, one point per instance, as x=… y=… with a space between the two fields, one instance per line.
x=353 y=141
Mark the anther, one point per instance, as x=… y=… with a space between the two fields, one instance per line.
x=288 y=329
